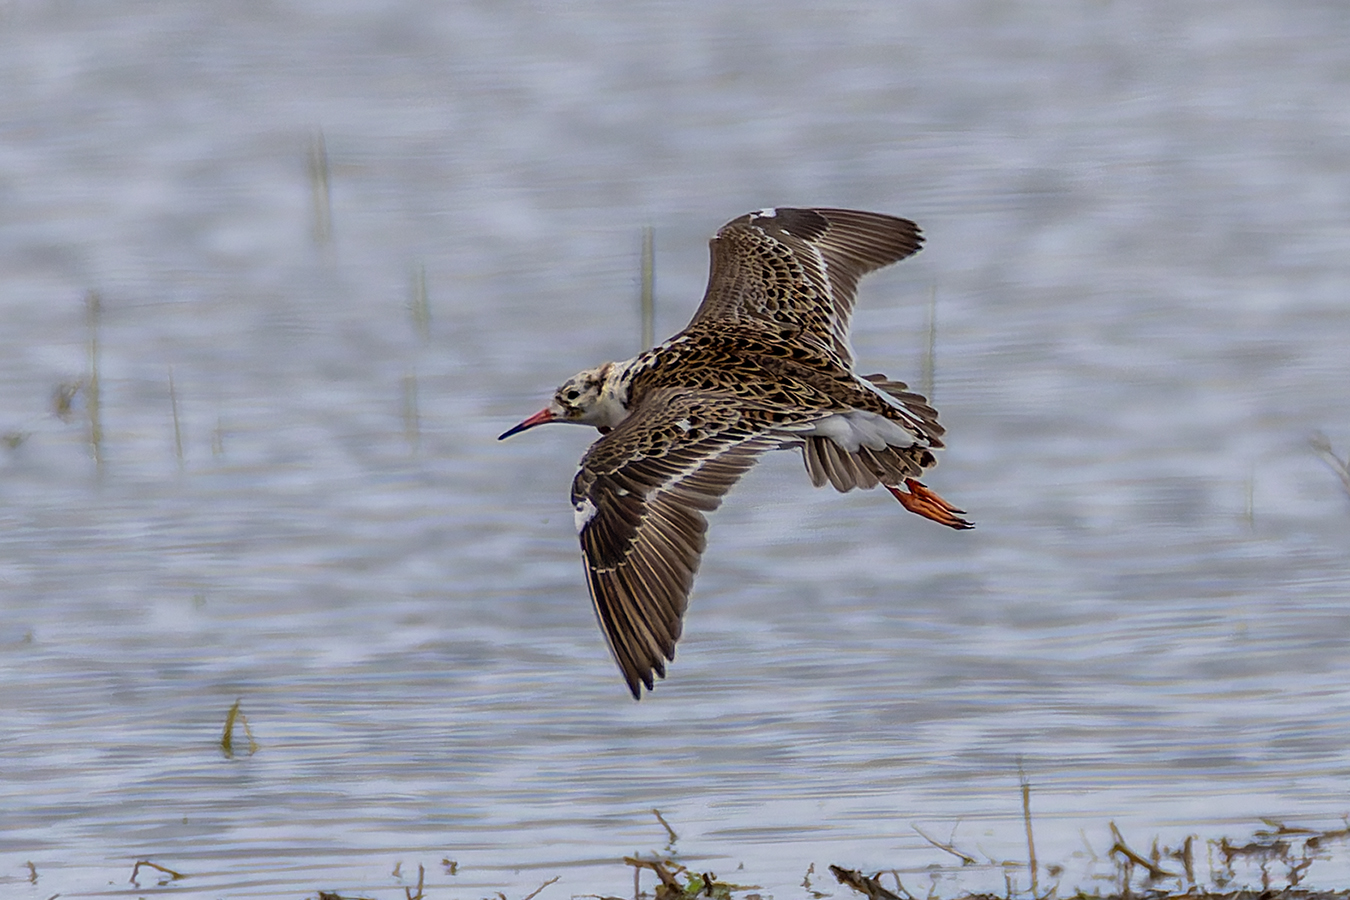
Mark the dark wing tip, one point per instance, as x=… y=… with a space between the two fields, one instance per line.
x=873 y=239
x=864 y=240
x=637 y=680
x=641 y=619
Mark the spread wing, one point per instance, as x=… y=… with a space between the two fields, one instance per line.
x=639 y=499
x=799 y=268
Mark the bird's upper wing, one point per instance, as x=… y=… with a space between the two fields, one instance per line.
x=639 y=499
x=799 y=269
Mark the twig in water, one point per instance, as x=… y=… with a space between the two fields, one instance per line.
x=135 y=870
x=1154 y=870
x=421 y=875
x=536 y=891
x=670 y=832
x=1322 y=447
x=63 y=398
x=1186 y=856
x=863 y=884
x=670 y=885
x=1092 y=854
x=966 y=859
x=1026 y=817
x=227 y=738
x=900 y=885
x=1278 y=846
x=1282 y=829
x=806 y=883
x=1315 y=842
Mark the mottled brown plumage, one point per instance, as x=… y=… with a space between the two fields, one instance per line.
x=765 y=363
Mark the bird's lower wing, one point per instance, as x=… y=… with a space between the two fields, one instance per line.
x=640 y=500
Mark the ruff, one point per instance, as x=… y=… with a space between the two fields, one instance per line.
x=765 y=363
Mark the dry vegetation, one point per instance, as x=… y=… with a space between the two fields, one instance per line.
x=1273 y=863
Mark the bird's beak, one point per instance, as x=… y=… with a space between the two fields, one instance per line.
x=544 y=415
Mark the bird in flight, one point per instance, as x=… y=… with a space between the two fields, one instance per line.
x=764 y=364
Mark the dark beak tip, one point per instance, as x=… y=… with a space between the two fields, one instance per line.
x=539 y=418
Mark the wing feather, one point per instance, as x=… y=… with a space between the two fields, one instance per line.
x=797 y=270
x=650 y=482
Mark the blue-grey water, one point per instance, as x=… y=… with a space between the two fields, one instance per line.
x=1138 y=217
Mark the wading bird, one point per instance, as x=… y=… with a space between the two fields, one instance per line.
x=764 y=364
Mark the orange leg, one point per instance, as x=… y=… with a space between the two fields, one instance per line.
x=923 y=502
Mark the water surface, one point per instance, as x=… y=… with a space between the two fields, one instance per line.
x=1137 y=217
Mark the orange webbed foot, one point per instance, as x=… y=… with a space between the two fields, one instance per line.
x=921 y=501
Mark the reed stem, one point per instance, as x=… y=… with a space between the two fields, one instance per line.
x=320 y=189
x=648 y=297
x=177 y=427
x=93 y=306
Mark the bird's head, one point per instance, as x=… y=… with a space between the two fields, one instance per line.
x=591 y=397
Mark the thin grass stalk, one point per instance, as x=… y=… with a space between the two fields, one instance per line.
x=320 y=189
x=1321 y=445
x=929 y=372
x=93 y=306
x=418 y=306
x=1249 y=505
x=1026 y=818
x=648 y=295
x=412 y=419
x=177 y=426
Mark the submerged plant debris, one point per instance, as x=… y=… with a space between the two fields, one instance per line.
x=233 y=717
x=1272 y=864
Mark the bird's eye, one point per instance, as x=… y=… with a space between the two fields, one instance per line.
x=573 y=394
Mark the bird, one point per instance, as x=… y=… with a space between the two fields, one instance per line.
x=764 y=364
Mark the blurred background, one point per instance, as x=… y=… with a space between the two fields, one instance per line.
x=273 y=276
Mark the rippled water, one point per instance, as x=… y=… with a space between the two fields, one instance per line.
x=1137 y=217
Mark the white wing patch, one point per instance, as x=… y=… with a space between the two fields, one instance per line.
x=859 y=428
x=584 y=512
